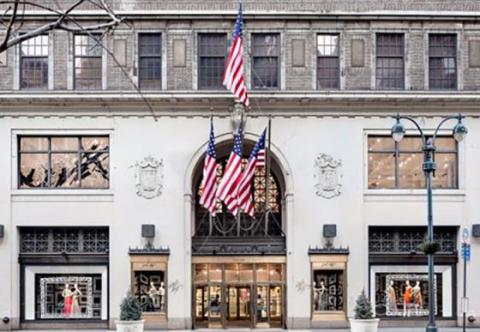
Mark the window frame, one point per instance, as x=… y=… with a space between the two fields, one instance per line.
x=338 y=57
x=402 y=57
x=18 y=152
x=20 y=65
x=430 y=57
x=278 y=56
x=199 y=35
x=443 y=134
x=75 y=56
x=161 y=55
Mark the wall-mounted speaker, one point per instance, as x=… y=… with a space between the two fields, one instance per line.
x=148 y=231
x=329 y=230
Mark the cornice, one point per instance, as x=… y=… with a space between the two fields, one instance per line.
x=199 y=103
x=436 y=15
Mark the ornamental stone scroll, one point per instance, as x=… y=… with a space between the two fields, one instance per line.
x=328 y=176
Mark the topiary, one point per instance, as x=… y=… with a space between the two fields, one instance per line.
x=363 y=307
x=130 y=308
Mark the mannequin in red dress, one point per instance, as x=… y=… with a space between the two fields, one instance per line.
x=407 y=299
x=67 y=301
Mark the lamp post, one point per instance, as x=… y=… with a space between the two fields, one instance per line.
x=429 y=166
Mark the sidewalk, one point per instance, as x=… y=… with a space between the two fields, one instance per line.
x=420 y=329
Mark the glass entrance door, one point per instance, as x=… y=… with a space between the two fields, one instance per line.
x=238 y=306
x=215 y=308
x=276 y=305
x=201 y=306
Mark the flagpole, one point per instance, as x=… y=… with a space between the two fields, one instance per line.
x=267 y=174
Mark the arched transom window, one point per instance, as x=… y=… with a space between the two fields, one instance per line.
x=224 y=223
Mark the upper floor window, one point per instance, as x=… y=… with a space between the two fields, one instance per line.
x=34 y=63
x=265 y=60
x=394 y=165
x=442 y=61
x=150 y=61
x=212 y=50
x=328 y=63
x=390 y=61
x=88 y=63
x=63 y=162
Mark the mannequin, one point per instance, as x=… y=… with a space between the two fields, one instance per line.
x=391 y=298
x=153 y=294
x=76 y=311
x=407 y=299
x=319 y=292
x=67 y=301
x=161 y=293
x=417 y=298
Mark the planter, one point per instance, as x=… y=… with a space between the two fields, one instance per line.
x=129 y=325
x=364 y=325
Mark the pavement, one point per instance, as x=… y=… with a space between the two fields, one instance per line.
x=420 y=329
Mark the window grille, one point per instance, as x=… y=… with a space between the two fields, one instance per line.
x=150 y=61
x=442 y=62
x=212 y=50
x=390 y=61
x=265 y=61
x=34 y=63
x=328 y=63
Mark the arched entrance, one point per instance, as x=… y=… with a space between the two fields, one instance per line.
x=239 y=264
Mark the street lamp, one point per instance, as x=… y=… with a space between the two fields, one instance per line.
x=428 y=146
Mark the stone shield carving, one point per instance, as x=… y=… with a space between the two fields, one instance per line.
x=328 y=175
x=149 y=177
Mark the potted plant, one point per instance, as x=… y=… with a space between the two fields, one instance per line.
x=130 y=315
x=364 y=320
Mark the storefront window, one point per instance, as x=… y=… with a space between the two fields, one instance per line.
x=406 y=295
x=68 y=296
x=149 y=284
x=149 y=288
x=327 y=290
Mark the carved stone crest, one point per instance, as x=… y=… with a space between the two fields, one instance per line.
x=149 y=177
x=328 y=174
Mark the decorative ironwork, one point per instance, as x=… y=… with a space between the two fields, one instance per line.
x=225 y=224
x=231 y=246
x=59 y=240
x=407 y=239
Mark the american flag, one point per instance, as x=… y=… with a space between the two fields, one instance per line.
x=209 y=181
x=245 y=198
x=228 y=186
x=233 y=74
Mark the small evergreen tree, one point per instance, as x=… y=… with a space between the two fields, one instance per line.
x=130 y=308
x=363 y=308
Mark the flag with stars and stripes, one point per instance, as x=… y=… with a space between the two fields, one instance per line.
x=209 y=181
x=233 y=77
x=245 y=197
x=228 y=186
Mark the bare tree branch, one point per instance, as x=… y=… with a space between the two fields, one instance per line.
x=10 y=25
x=57 y=24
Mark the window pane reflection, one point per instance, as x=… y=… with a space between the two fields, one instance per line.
x=399 y=165
x=60 y=162
x=381 y=170
x=64 y=171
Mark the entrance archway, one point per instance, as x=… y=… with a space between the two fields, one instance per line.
x=239 y=265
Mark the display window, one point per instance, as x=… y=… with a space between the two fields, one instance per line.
x=328 y=291
x=149 y=284
x=68 y=296
x=406 y=295
x=149 y=288
x=401 y=291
